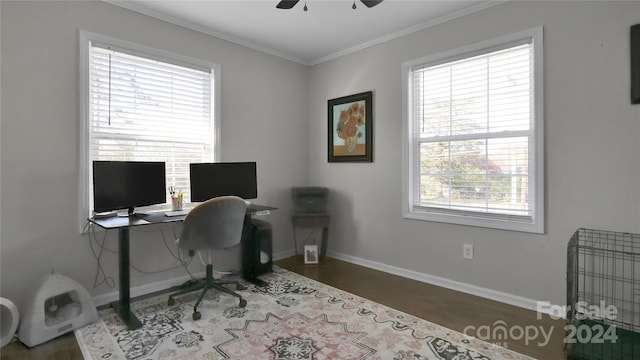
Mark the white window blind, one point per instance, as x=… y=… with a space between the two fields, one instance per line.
x=144 y=109
x=474 y=146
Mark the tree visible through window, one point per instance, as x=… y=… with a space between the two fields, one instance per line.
x=474 y=135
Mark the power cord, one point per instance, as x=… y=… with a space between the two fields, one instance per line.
x=98 y=247
x=109 y=281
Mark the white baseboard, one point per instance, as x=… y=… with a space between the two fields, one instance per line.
x=165 y=284
x=499 y=296
x=502 y=297
x=284 y=254
x=144 y=289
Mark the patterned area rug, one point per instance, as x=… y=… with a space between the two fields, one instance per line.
x=293 y=318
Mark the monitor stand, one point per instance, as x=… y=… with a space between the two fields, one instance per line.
x=130 y=212
x=133 y=214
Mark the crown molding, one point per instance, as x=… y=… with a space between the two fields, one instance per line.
x=129 y=5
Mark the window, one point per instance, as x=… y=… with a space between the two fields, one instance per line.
x=473 y=135
x=141 y=104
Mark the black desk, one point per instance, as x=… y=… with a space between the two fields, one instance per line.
x=123 y=224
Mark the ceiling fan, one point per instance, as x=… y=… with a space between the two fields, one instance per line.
x=288 y=4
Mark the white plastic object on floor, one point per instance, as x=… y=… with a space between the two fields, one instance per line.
x=9 y=317
x=57 y=304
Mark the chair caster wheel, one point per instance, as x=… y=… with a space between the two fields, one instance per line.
x=243 y=303
x=197 y=315
x=171 y=301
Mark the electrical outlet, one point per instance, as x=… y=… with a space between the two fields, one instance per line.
x=467 y=251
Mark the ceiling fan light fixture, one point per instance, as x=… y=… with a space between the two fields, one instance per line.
x=371 y=3
x=288 y=4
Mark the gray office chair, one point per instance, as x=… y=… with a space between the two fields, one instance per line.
x=214 y=224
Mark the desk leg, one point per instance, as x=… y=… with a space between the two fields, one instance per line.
x=325 y=236
x=123 y=306
x=295 y=241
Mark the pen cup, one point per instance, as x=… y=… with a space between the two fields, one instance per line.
x=177 y=204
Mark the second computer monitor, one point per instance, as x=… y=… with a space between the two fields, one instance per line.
x=209 y=180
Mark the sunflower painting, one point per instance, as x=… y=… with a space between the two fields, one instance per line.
x=350 y=128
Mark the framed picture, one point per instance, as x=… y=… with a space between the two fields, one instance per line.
x=351 y=128
x=311 y=254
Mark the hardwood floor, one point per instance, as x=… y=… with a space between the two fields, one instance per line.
x=445 y=307
x=64 y=347
x=449 y=308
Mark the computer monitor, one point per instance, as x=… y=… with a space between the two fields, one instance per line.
x=209 y=180
x=128 y=184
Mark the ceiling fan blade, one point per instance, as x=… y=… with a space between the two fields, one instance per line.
x=371 y=3
x=287 y=4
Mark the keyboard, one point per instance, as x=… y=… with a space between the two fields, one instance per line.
x=176 y=213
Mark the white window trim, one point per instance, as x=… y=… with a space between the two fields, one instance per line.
x=538 y=219
x=86 y=38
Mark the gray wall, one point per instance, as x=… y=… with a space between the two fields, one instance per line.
x=40 y=137
x=592 y=143
x=592 y=150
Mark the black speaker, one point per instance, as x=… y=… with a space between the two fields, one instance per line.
x=257 y=250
